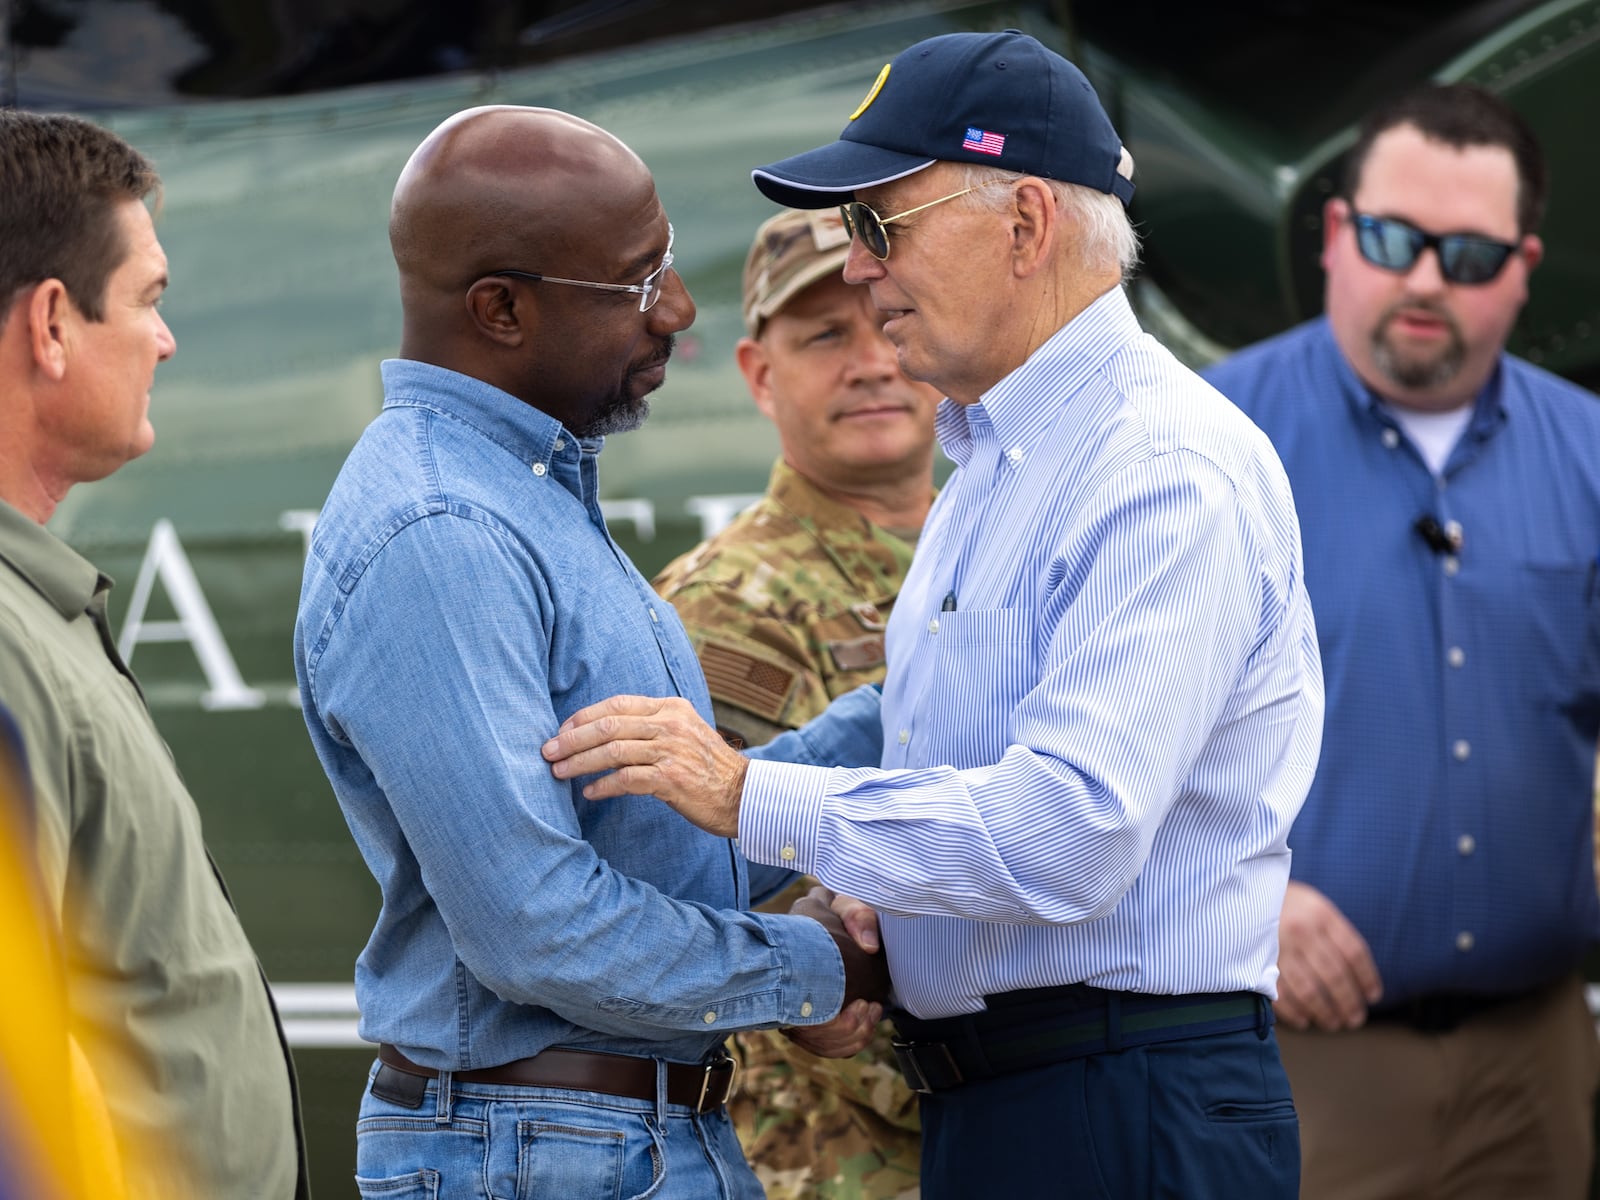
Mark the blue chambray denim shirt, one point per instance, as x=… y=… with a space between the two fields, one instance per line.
x=461 y=599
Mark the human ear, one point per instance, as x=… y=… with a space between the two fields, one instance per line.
x=47 y=309
x=495 y=311
x=1334 y=215
x=756 y=367
x=1531 y=250
x=1035 y=225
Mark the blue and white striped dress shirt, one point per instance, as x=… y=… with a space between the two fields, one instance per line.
x=1092 y=762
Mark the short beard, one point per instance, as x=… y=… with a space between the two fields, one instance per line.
x=620 y=415
x=1418 y=374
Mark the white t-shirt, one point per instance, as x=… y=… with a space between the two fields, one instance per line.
x=1433 y=433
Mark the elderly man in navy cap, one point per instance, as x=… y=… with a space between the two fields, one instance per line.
x=1103 y=703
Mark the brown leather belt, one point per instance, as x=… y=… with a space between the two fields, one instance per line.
x=702 y=1087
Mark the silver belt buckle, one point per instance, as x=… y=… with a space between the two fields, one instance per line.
x=731 y=1065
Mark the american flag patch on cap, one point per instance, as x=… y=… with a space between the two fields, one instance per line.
x=983 y=141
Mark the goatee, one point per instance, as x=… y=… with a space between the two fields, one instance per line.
x=1412 y=372
x=621 y=413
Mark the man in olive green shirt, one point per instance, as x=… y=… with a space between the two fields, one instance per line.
x=165 y=996
x=786 y=608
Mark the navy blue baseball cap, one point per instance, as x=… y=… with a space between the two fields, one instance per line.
x=1000 y=99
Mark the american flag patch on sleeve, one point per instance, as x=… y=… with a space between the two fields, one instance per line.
x=983 y=141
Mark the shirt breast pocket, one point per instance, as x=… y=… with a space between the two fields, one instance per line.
x=1562 y=606
x=983 y=668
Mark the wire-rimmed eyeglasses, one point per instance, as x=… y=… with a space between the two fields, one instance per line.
x=649 y=291
x=860 y=221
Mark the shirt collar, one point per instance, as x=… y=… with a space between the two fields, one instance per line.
x=533 y=436
x=56 y=571
x=863 y=553
x=837 y=524
x=1059 y=368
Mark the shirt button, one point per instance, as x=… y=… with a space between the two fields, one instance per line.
x=1015 y=455
x=787 y=854
x=805 y=1009
x=1453 y=531
x=710 y=1018
x=1462 y=750
x=561 y=443
x=1465 y=941
x=1452 y=564
x=905 y=736
x=1465 y=845
x=1457 y=656
x=654 y=618
x=538 y=469
x=1391 y=438
x=933 y=625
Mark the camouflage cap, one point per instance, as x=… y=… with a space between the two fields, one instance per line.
x=790 y=252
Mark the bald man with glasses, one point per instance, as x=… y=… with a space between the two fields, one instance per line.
x=550 y=981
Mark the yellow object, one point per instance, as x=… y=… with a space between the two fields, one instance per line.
x=44 y=1076
x=877 y=87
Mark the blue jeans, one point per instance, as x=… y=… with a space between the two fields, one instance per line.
x=484 y=1141
x=1207 y=1118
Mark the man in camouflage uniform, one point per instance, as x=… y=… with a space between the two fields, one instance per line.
x=786 y=608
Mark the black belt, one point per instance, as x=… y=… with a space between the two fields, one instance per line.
x=702 y=1086
x=1036 y=1027
x=1442 y=1012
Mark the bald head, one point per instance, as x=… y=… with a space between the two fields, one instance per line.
x=494 y=210
x=502 y=186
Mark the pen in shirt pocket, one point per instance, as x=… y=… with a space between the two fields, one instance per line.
x=949 y=604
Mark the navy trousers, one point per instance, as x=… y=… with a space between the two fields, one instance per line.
x=1207 y=1118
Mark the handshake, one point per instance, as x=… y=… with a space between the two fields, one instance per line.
x=854 y=928
x=648 y=746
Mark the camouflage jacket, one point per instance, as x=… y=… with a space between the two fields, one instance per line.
x=786 y=606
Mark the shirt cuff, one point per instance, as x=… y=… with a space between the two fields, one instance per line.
x=813 y=992
x=779 y=812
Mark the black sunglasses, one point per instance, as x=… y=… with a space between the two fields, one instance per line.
x=1395 y=245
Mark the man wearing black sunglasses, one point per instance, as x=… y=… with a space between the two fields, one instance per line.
x=1443 y=891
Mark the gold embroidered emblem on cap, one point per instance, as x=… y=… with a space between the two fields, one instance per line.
x=873 y=94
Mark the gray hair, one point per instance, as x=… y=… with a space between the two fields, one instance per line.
x=1109 y=240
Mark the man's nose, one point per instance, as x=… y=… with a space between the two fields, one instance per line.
x=1427 y=273
x=166 y=344
x=878 y=360
x=860 y=265
x=675 y=311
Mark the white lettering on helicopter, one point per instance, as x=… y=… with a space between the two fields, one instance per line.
x=166 y=561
